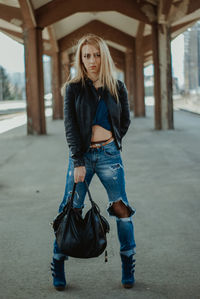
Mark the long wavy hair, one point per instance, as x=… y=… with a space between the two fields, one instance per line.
x=107 y=67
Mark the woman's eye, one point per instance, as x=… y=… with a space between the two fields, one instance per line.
x=88 y=55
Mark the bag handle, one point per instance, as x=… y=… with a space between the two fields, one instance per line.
x=89 y=194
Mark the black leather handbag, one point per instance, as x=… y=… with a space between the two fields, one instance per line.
x=81 y=237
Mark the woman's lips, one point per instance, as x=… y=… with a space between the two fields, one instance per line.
x=92 y=67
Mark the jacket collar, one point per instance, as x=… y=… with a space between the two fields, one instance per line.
x=88 y=81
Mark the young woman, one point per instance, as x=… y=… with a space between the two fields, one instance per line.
x=96 y=118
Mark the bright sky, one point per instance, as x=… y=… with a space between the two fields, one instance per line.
x=177 y=47
x=12 y=56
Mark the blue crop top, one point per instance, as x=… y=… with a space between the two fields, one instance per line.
x=101 y=117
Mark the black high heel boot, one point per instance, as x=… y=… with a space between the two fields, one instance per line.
x=128 y=269
x=58 y=273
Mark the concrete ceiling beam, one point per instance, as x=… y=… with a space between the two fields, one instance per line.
x=27 y=13
x=96 y=27
x=10 y=14
x=57 y=10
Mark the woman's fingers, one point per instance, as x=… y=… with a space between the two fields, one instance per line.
x=79 y=174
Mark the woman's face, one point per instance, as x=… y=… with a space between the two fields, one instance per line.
x=91 y=59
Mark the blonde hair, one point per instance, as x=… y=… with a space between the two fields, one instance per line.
x=107 y=68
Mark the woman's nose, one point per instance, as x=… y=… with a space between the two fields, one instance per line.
x=92 y=58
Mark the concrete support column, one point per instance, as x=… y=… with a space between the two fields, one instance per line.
x=129 y=77
x=162 y=76
x=65 y=67
x=138 y=49
x=34 y=81
x=139 y=64
x=56 y=86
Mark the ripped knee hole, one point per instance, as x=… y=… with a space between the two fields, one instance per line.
x=120 y=209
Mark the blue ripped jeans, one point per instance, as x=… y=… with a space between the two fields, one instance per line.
x=106 y=162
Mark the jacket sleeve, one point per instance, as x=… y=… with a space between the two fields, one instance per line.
x=72 y=130
x=125 y=111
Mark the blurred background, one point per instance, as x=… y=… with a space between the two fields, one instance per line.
x=185 y=73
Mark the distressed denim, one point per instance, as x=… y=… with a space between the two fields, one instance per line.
x=106 y=162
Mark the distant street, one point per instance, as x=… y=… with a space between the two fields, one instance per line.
x=13 y=114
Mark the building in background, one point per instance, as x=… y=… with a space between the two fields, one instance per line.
x=192 y=59
x=47 y=74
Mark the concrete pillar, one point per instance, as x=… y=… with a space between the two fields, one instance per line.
x=34 y=81
x=129 y=77
x=161 y=38
x=65 y=67
x=56 y=86
x=139 y=108
x=138 y=58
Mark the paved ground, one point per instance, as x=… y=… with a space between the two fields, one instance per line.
x=163 y=184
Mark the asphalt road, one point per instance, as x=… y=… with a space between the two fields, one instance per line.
x=163 y=184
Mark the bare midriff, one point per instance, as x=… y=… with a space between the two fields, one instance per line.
x=99 y=133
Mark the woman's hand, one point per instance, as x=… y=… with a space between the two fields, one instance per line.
x=79 y=174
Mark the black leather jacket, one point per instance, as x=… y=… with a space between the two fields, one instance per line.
x=80 y=104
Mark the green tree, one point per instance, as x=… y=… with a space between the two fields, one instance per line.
x=5 y=93
x=17 y=92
